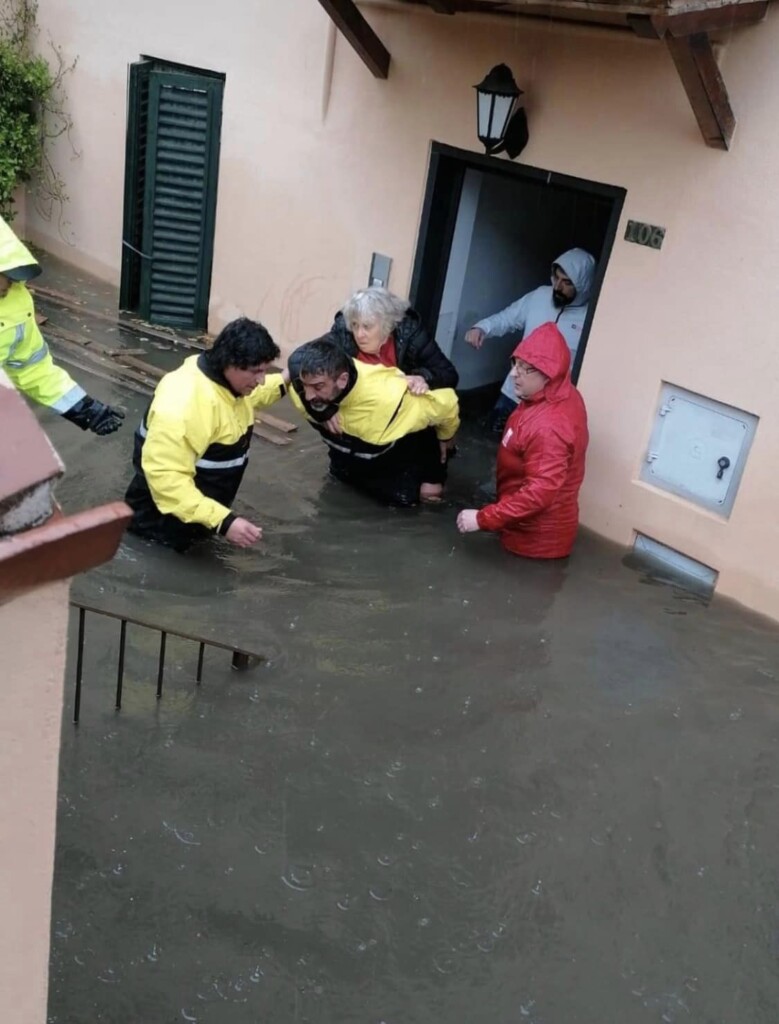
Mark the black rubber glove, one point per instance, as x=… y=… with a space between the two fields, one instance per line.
x=89 y=414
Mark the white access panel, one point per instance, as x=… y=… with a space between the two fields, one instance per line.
x=698 y=448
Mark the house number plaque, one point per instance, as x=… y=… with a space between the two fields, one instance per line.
x=644 y=234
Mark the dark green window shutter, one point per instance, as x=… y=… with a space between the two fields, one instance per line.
x=182 y=157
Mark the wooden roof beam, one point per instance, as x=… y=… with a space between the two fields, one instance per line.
x=702 y=80
x=359 y=33
x=718 y=19
x=689 y=43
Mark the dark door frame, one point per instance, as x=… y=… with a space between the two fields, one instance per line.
x=446 y=171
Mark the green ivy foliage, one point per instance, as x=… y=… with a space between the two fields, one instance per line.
x=25 y=82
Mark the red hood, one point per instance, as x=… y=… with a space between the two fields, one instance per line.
x=546 y=350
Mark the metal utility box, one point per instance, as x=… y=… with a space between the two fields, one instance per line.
x=698 y=448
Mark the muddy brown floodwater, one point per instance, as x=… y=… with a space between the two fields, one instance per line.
x=461 y=787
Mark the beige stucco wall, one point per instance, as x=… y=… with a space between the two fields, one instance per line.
x=30 y=714
x=305 y=197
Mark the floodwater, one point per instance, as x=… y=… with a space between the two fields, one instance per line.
x=460 y=788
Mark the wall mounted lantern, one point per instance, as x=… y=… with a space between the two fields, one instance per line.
x=502 y=125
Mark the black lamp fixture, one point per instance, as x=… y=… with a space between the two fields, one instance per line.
x=502 y=125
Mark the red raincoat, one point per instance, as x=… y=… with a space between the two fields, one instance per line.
x=541 y=458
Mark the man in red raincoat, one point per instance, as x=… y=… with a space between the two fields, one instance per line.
x=541 y=456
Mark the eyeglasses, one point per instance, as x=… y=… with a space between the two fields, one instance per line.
x=523 y=368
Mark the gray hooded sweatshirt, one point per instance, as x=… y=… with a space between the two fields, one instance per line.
x=537 y=307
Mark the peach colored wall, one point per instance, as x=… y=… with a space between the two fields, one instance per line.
x=305 y=198
x=30 y=714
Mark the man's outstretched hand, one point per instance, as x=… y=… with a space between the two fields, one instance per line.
x=242 y=533
x=475 y=336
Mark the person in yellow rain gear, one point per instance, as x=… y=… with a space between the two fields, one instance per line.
x=25 y=356
x=192 y=445
x=381 y=437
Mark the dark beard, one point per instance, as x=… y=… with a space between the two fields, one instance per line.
x=559 y=300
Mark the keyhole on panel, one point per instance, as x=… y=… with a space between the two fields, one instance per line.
x=723 y=464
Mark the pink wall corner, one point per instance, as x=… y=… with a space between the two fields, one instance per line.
x=31 y=697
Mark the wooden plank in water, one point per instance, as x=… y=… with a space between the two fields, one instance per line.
x=139 y=364
x=278 y=423
x=268 y=435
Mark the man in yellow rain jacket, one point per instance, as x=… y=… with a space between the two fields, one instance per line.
x=192 y=446
x=380 y=436
x=24 y=355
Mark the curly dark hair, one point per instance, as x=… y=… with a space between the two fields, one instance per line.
x=242 y=343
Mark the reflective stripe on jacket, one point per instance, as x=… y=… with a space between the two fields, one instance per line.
x=25 y=356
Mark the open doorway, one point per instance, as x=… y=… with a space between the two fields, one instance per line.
x=489 y=233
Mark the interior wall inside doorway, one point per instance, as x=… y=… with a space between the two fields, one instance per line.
x=507 y=233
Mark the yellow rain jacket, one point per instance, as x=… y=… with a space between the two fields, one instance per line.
x=380 y=410
x=191 y=451
x=24 y=355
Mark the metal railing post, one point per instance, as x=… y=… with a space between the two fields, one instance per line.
x=241 y=659
x=120 y=670
x=82 y=614
x=161 y=670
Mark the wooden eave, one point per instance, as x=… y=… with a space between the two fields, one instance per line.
x=685 y=27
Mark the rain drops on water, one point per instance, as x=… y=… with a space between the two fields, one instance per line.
x=443 y=964
x=183 y=837
x=298 y=878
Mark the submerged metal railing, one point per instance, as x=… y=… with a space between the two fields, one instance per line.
x=242 y=659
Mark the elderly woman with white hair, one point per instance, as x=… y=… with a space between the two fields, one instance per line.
x=376 y=326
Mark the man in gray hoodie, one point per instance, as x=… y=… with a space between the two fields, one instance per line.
x=563 y=302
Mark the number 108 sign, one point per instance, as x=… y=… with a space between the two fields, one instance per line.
x=644 y=234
